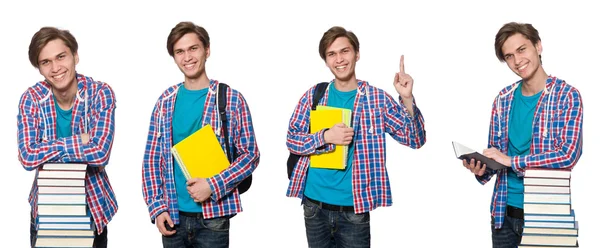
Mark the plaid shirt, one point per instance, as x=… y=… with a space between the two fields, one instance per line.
x=375 y=113
x=556 y=138
x=157 y=171
x=39 y=144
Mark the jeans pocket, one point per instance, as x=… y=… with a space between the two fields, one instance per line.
x=353 y=218
x=310 y=210
x=220 y=224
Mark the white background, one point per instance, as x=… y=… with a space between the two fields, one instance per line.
x=258 y=47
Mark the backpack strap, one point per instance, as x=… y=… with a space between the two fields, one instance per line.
x=222 y=104
x=318 y=94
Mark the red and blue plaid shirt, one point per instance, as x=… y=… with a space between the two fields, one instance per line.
x=556 y=140
x=157 y=171
x=38 y=142
x=375 y=113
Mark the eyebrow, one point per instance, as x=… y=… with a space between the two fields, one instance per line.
x=181 y=49
x=332 y=51
x=59 y=54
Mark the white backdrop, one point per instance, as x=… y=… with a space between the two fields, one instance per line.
x=259 y=46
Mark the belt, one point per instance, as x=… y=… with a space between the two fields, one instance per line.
x=330 y=206
x=189 y=214
x=514 y=212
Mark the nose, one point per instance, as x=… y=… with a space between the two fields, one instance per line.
x=518 y=59
x=339 y=58
x=54 y=66
x=188 y=56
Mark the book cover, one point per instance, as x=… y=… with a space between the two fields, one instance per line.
x=200 y=155
x=462 y=152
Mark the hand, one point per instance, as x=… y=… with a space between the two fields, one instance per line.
x=85 y=138
x=498 y=156
x=339 y=134
x=403 y=82
x=199 y=189
x=477 y=169
x=160 y=223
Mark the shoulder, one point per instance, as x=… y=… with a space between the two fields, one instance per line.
x=169 y=92
x=36 y=92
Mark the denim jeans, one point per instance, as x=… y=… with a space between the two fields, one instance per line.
x=197 y=232
x=509 y=236
x=100 y=241
x=331 y=229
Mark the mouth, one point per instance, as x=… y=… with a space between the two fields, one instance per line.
x=341 y=67
x=59 y=76
x=189 y=66
x=523 y=67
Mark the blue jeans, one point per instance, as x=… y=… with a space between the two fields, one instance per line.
x=100 y=241
x=198 y=232
x=509 y=236
x=330 y=229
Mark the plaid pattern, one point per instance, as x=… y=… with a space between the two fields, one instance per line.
x=556 y=138
x=375 y=113
x=39 y=144
x=157 y=172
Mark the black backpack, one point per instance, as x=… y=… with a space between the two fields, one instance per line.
x=317 y=95
x=222 y=98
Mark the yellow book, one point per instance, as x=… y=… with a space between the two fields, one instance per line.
x=200 y=155
x=326 y=117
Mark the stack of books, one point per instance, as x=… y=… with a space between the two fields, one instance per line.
x=548 y=215
x=63 y=216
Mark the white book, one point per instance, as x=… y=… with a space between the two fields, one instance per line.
x=64 y=166
x=61 y=199
x=60 y=182
x=61 y=190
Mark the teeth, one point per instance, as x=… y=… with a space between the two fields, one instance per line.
x=189 y=66
x=59 y=77
x=340 y=67
x=522 y=67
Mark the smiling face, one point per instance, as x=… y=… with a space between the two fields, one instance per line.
x=341 y=59
x=522 y=56
x=190 y=56
x=57 y=65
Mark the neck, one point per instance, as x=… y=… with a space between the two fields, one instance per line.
x=65 y=98
x=197 y=83
x=535 y=84
x=346 y=85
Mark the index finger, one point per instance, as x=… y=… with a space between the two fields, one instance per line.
x=402 y=64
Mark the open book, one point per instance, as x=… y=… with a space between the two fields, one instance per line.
x=326 y=117
x=463 y=152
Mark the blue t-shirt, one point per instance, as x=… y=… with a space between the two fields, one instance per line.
x=63 y=120
x=520 y=127
x=187 y=119
x=330 y=185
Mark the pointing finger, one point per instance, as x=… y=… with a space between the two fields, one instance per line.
x=402 y=64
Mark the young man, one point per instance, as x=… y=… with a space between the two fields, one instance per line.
x=337 y=202
x=68 y=117
x=535 y=123
x=195 y=212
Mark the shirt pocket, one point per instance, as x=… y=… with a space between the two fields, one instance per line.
x=372 y=122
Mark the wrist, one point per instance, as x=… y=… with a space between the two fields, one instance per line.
x=325 y=135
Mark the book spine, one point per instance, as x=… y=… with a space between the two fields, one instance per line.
x=180 y=163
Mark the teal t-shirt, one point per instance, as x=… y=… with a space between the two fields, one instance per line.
x=63 y=121
x=519 y=139
x=187 y=119
x=330 y=185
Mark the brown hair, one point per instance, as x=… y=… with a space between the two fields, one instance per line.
x=511 y=28
x=334 y=33
x=184 y=28
x=46 y=34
